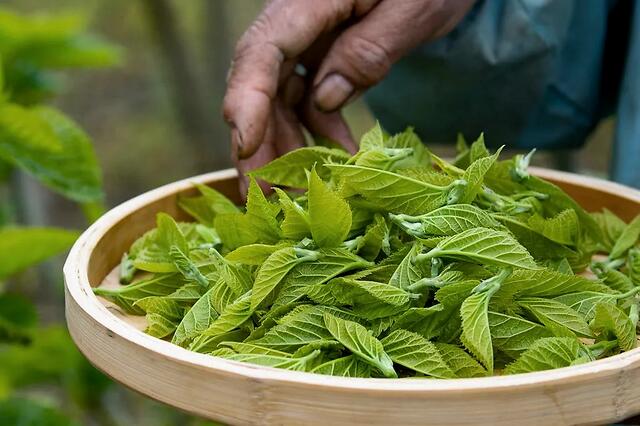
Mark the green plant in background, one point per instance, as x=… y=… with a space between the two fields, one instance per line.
x=43 y=142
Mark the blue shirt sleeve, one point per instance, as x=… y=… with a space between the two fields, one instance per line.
x=528 y=73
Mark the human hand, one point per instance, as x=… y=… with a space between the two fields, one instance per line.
x=345 y=47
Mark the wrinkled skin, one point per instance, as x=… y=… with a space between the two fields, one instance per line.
x=345 y=47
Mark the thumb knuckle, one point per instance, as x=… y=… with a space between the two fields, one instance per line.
x=370 y=60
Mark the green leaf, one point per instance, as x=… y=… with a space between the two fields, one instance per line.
x=485 y=246
x=478 y=149
x=408 y=139
x=276 y=361
x=611 y=319
x=408 y=271
x=154 y=252
x=446 y=221
x=512 y=334
x=375 y=239
x=461 y=363
x=348 y=366
x=275 y=268
x=329 y=214
x=616 y=280
x=289 y=169
x=584 y=302
x=51 y=147
x=547 y=283
x=255 y=254
x=564 y=228
x=558 y=201
x=357 y=339
x=295 y=225
x=196 y=320
x=235 y=314
x=223 y=294
x=163 y=315
x=249 y=348
x=237 y=278
x=188 y=293
x=18 y=317
x=127 y=269
x=556 y=315
x=627 y=239
x=546 y=354
x=208 y=205
x=126 y=296
x=474 y=176
x=390 y=191
x=258 y=225
x=419 y=320
x=331 y=263
x=370 y=299
x=476 y=334
x=537 y=244
x=23 y=411
x=611 y=226
x=186 y=267
x=633 y=266
x=372 y=139
x=24 y=247
x=205 y=343
x=299 y=329
x=417 y=353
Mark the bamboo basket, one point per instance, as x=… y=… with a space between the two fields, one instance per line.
x=598 y=392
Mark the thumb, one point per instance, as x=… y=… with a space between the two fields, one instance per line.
x=363 y=54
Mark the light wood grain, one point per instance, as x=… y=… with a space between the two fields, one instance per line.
x=237 y=393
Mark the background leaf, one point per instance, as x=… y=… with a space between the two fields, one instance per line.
x=51 y=147
x=23 y=247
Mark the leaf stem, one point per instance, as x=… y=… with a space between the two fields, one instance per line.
x=493 y=284
x=601 y=348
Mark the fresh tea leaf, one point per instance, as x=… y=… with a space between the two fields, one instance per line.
x=329 y=214
x=461 y=363
x=357 y=339
x=627 y=239
x=390 y=191
x=476 y=334
x=289 y=169
x=485 y=246
x=611 y=319
x=417 y=353
x=546 y=354
x=348 y=366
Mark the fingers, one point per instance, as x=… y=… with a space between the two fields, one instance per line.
x=288 y=135
x=265 y=153
x=329 y=125
x=283 y=30
x=363 y=54
x=282 y=135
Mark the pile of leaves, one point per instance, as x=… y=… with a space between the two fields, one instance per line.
x=391 y=263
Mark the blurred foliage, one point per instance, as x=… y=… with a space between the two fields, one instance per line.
x=46 y=144
x=44 y=379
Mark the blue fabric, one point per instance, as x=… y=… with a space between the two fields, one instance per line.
x=626 y=155
x=529 y=73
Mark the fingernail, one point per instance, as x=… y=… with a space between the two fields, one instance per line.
x=237 y=143
x=332 y=92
